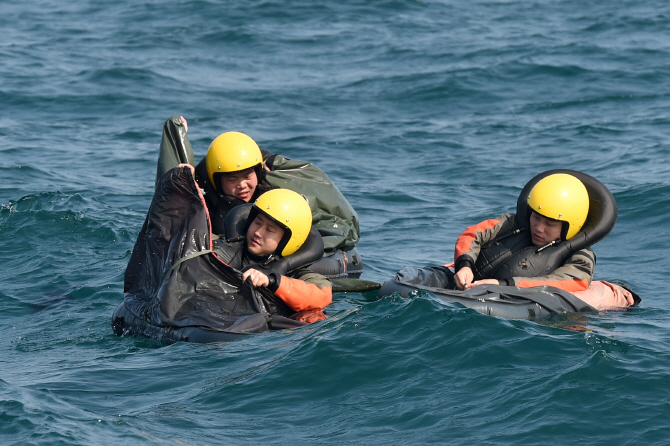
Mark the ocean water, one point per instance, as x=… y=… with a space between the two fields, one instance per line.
x=429 y=116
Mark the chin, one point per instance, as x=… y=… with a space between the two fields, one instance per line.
x=258 y=252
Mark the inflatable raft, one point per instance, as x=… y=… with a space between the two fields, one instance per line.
x=537 y=302
x=340 y=264
x=494 y=300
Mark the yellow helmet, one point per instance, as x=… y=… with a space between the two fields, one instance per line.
x=231 y=152
x=290 y=210
x=561 y=197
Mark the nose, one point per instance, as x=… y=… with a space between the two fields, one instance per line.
x=259 y=231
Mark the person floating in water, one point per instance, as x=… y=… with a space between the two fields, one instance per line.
x=506 y=251
x=236 y=170
x=231 y=174
x=277 y=226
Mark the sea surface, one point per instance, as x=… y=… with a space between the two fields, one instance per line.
x=429 y=116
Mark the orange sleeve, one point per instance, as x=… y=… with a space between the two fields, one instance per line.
x=569 y=285
x=300 y=295
x=464 y=241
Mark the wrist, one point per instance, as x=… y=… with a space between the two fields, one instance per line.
x=463 y=262
x=274 y=282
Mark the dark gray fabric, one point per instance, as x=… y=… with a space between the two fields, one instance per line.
x=332 y=215
x=175 y=147
x=200 y=292
x=496 y=300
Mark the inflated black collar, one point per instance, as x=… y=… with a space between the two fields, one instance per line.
x=603 y=210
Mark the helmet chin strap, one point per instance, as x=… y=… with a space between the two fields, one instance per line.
x=284 y=240
x=564 y=230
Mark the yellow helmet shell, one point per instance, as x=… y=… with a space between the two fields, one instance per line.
x=292 y=212
x=561 y=197
x=231 y=152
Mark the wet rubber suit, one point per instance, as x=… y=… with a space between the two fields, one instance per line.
x=572 y=274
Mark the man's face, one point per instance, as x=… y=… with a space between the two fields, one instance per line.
x=240 y=184
x=544 y=230
x=263 y=236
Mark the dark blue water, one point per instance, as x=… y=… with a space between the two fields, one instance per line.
x=429 y=116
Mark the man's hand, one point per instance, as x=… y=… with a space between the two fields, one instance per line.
x=482 y=282
x=257 y=278
x=463 y=278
